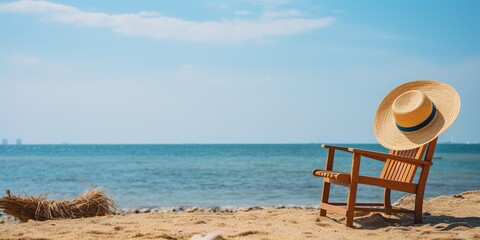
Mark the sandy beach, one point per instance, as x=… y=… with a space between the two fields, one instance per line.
x=445 y=217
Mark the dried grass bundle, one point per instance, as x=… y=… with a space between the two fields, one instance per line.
x=90 y=204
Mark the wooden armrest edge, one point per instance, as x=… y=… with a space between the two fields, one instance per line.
x=345 y=149
x=385 y=156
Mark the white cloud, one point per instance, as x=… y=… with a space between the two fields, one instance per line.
x=22 y=59
x=338 y=11
x=391 y=37
x=35 y=7
x=269 y=3
x=242 y=13
x=156 y=26
x=185 y=72
x=265 y=79
x=288 y=13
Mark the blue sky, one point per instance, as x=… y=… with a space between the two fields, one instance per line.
x=247 y=71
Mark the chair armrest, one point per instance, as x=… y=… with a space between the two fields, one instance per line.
x=384 y=156
x=345 y=149
x=350 y=150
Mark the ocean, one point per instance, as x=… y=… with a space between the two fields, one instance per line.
x=211 y=175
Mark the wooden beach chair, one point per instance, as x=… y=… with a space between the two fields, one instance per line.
x=398 y=174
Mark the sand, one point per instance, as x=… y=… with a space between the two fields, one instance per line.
x=445 y=217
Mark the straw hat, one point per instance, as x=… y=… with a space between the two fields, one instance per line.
x=415 y=113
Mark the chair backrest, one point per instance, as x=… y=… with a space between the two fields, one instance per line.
x=405 y=172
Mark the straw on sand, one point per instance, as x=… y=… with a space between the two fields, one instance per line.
x=90 y=204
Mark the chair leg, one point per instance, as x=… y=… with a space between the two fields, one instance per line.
x=352 y=189
x=352 y=196
x=387 y=203
x=418 y=208
x=325 y=194
x=326 y=185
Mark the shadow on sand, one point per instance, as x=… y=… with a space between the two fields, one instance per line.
x=440 y=222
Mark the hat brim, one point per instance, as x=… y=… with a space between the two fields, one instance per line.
x=446 y=100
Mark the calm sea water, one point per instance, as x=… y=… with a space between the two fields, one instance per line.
x=210 y=175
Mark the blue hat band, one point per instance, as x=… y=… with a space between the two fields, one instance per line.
x=421 y=125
